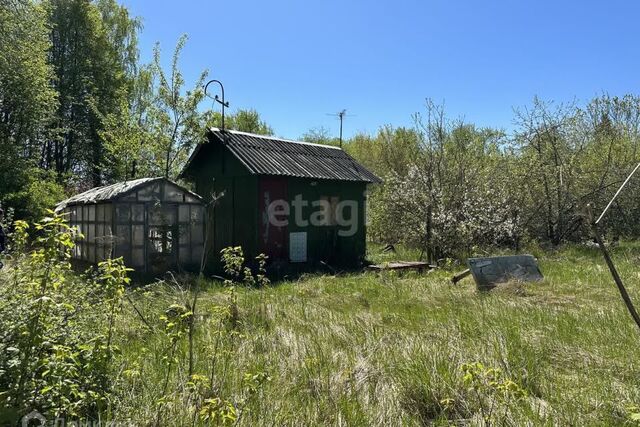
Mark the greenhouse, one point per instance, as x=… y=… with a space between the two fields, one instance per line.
x=153 y=223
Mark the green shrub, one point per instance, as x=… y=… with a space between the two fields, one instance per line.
x=50 y=360
x=39 y=191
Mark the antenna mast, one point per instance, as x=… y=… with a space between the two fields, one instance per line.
x=341 y=115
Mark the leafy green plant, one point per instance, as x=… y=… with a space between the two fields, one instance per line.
x=239 y=273
x=50 y=360
x=112 y=280
x=633 y=414
x=491 y=388
x=176 y=319
x=217 y=411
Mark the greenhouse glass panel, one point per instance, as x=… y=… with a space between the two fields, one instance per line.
x=100 y=231
x=156 y=217
x=171 y=213
x=197 y=234
x=172 y=193
x=196 y=254
x=184 y=255
x=92 y=213
x=100 y=253
x=165 y=215
x=137 y=257
x=92 y=253
x=149 y=193
x=183 y=213
x=122 y=213
x=91 y=235
x=127 y=257
x=197 y=214
x=137 y=212
x=122 y=235
x=183 y=237
x=108 y=209
x=100 y=213
x=137 y=235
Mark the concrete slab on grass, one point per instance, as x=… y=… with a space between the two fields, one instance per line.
x=489 y=271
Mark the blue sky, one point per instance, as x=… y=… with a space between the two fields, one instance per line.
x=296 y=61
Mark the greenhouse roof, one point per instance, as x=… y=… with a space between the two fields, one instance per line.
x=113 y=191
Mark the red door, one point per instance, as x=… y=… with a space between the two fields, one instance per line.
x=272 y=231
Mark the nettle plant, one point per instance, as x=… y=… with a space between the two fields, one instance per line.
x=239 y=273
x=55 y=347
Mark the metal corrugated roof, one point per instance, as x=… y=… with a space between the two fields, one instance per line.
x=265 y=155
x=113 y=191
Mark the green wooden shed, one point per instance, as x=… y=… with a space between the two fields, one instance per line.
x=299 y=203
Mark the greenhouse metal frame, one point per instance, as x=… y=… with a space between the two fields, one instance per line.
x=153 y=223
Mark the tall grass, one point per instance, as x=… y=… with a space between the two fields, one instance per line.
x=388 y=349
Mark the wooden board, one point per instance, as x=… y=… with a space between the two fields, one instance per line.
x=402 y=265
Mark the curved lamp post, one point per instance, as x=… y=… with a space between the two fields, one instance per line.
x=217 y=99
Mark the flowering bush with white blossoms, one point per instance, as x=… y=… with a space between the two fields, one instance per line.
x=478 y=187
x=462 y=217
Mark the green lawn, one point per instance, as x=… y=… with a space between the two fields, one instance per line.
x=369 y=349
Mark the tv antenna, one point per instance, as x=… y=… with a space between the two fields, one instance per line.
x=217 y=99
x=341 y=115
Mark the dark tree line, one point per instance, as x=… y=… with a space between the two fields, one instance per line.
x=78 y=109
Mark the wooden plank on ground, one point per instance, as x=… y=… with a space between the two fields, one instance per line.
x=402 y=265
x=455 y=279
